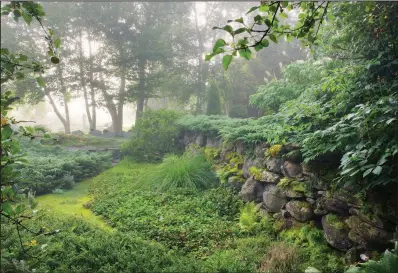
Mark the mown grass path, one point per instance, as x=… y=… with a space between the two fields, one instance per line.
x=70 y=203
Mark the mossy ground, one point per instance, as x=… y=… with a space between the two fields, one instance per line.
x=71 y=202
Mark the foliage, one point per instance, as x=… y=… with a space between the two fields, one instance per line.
x=388 y=263
x=251 y=222
x=189 y=171
x=310 y=18
x=313 y=248
x=281 y=258
x=154 y=135
x=52 y=167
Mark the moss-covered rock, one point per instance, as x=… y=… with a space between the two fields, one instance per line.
x=336 y=232
x=300 y=210
x=250 y=163
x=291 y=169
x=292 y=188
x=273 y=198
x=370 y=233
x=274 y=164
x=252 y=190
x=236 y=182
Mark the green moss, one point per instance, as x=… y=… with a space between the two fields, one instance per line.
x=334 y=220
x=211 y=153
x=303 y=205
x=290 y=183
x=273 y=151
x=256 y=172
x=234 y=158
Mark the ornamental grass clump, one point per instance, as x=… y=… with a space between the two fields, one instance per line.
x=189 y=171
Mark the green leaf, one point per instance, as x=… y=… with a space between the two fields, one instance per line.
x=209 y=56
x=377 y=170
x=22 y=57
x=239 y=30
x=368 y=171
x=226 y=60
x=27 y=18
x=6 y=132
x=57 y=42
x=239 y=20
x=258 y=47
x=245 y=53
x=7 y=209
x=273 y=38
x=252 y=9
x=219 y=43
x=17 y=13
x=4 y=51
x=264 y=8
x=51 y=32
x=265 y=43
x=229 y=29
x=54 y=59
x=283 y=15
x=41 y=82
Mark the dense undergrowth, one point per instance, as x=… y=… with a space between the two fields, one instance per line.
x=52 y=167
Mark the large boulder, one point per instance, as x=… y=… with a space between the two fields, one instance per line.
x=291 y=169
x=373 y=220
x=236 y=182
x=334 y=205
x=274 y=164
x=300 y=210
x=200 y=139
x=259 y=150
x=252 y=190
x=336 y=232
x=370 y=233
x=268 y=177
x=273 y=198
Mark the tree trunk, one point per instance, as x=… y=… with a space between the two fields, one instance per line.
x=83 y=80
x=141 y=89
x=118 y=126
x=65 y=98
x=93 y=125
x=54 y=106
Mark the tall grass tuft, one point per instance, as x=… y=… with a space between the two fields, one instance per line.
x=189 y=171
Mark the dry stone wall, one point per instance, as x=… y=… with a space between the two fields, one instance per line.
x=292 y=192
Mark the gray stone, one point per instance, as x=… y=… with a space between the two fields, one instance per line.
x=375 y=220
x=261 y=210
x=213 y=142
x=247 y=164
x=291 y=169
x=108 y=134
x=334 y=205
x=259 y=150
x=200 y=139
x=252 y=190
x=336 y=232
x=273 y=198
x=269 y=177
x=236 y=182
x=274 y=164
x=95 y=133
x=290 y=193
x=77 y=133
x=368 y=232
x=310 y=200
x=300 y=210
x=240 y=147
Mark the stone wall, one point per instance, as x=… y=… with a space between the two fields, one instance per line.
x=294 y=193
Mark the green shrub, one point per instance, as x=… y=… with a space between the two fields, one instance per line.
x=154 y=135
x=189 y=171
x=52 y=167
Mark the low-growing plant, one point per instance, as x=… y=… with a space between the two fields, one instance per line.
x=281 y=258
x=189 y=171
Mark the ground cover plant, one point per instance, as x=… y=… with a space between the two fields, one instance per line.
x=52 y=167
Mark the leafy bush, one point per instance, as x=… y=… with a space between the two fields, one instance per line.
x=189 y=171
x=154 y=135
x=49 y=168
